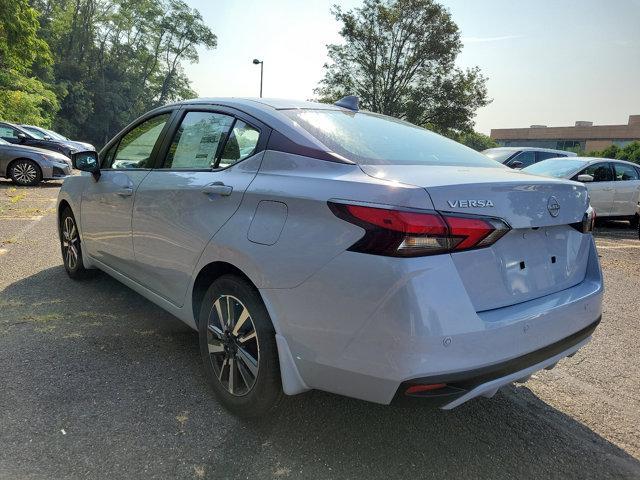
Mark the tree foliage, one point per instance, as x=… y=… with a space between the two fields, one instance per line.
x=25 y=66
x=630 y=152
x=106 y=61
x=477 y=141
x=398 y=57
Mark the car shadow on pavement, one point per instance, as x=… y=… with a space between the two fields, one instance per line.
x=122 y=379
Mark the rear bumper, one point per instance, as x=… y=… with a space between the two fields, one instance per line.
x=485 y=381
x=363 y=326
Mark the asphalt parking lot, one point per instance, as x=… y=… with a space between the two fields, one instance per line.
x=97 y=382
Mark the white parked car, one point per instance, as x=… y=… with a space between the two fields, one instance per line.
x=614 y=185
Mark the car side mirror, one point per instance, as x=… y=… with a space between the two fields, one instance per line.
x=21 y=137
x=87 y=162
x=585 y=178
x=516 y=164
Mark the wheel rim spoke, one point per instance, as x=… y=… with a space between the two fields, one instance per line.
x=233 y=346
x=250 y=362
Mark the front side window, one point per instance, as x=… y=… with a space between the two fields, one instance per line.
x=526 y=158
x=241 y=144
x=625 y=172
x=196 y=143
x=371 y=139
x=601 y=172
x=136 y=146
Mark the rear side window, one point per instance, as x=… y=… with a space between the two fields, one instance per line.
x=197 y=140
x=8 y=132
x=625 y=172
x=372 y=139
x=241 y=144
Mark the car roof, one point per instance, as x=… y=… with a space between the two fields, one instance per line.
x=535 y=149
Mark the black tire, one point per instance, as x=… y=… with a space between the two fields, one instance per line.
x=635 y=221
x=25 y=172
x=71 y=247
x=249 y=392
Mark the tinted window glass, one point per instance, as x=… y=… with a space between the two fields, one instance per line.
x=8 y=132
x=601 y=172
x=372 y=139
x=499 y=155
x=625 y=172
x=196 y=142
x=241 y=144
x=36 y=133
x=134 y=149
x=544 y=155
x=526 y=158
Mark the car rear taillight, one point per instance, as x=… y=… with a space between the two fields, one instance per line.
x=413 y=233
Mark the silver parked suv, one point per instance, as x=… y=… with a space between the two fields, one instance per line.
x=316 y=246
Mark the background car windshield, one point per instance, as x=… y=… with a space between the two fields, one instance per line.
x=499 y=155
x=556 y=167
x=371 y=139
x=36 y=133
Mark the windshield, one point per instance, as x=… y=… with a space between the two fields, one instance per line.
x=499 y=155
x=55 y=135
x=555 y=167
x=35 y=132
x=371 y=139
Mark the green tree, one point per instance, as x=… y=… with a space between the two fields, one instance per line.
x=25 y=61
x=630 y=152
x=116 y=59
x=477 y=141
x=398 y=57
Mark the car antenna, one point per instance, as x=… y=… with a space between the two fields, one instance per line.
x=350 y=102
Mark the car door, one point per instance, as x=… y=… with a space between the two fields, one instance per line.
x=601 y=188
x=107 y=203
x=626 y=190
x=209 y=161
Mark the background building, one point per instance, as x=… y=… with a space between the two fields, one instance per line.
x=584 y=135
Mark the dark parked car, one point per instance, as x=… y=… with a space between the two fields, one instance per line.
x=19 y=136
x=521 y=157
x=46 y=134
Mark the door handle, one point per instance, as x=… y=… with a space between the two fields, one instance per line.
x=217 y=188
x=125 y=192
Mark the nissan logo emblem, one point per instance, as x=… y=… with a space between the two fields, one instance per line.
x=553 y=206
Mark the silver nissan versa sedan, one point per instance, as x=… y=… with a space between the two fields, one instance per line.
x=320 y=247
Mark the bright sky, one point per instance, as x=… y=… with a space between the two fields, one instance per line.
x=548 y=62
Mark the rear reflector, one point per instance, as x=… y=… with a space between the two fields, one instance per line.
x=412 y=233
x=424 y=388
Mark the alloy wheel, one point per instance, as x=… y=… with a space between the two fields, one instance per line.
x=70 y=243
x=233 y=345
x=24 y=172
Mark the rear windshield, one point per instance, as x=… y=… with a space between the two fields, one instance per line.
x=499 y=155
x=371 y=139
x=555 y=167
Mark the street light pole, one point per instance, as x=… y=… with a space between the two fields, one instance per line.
x=256 y=62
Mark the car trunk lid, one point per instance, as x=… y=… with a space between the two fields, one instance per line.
x=542 y=254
